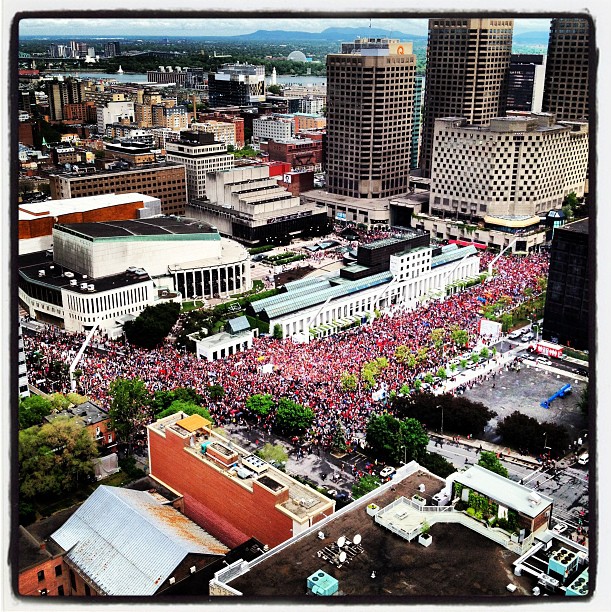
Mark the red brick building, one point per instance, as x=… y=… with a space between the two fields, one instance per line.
x=232 y=494
x=296 y=182
x=302 y=154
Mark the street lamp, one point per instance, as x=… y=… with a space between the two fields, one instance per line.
x=442 y=421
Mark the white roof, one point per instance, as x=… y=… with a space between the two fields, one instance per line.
x=128 y=542
x=503 y=490
x=54 y=208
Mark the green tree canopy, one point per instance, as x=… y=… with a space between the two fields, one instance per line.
x=364 y=485
x=437 y=464
x=130 y=410
x=32 y=410
x=339 y=439
x=293 y=418
x=216 y=392
x=521 y=431
x=275 y=89
x=388 y=437
x=348 y=381
x=459 y=336
x=260 y=404
x=188 y=408
x=437 y=337
x=163 y=399
x=55 y=459
x=152 y=325
x=490 y=462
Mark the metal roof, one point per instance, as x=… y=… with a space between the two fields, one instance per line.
x=238 y=324
x=454 y=255
x=293 y=303
x=503 y=490
x=128 y=543
x=314 y=285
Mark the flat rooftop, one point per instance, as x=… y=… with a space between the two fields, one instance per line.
x=459 y=561
x=55 y=208
x=158 y=226
x=245 y=468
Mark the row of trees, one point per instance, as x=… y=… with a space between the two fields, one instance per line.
x=290 y=418
x=524 y=432
x=152 y=325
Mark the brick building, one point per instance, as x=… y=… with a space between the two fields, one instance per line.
x=301 y=153
x=166 y=182
x=231 y=493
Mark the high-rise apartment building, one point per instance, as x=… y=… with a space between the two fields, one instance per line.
x=467 y=70
x=370 y=96
x=112 y=49
x=163 y=181
x=199 y=153
x=526 y=82
x=516 y=168
x=419 y=86
x=566 y=88
x=60 y=93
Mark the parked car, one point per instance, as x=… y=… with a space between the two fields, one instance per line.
x=387 y=471
x=559 y=527
x=515 y=335
x=527 y=337
x=544 y=361
x=530 y=357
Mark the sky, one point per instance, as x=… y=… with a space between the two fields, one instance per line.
x=115 y=28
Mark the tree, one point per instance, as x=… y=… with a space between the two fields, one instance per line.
x=273 y=453
x=437 y=464
x=348 y=381
x=130 y=410
x=275 y=90
x=259 y=404
x=215 y=392
x=188 y=408
x=278 y=332
x=489 y=461
x=152 y=325
x=389 y=437
x=32 y=410
x=364 y=485
x=293 y=418
x=428 y=378
x=484 y=352
x=474 y=357
x=506 y=321
x=339 y=440
x=441 y=373
x=583 y=402
x=459 y=336
x=163 y=399
x=55 y=459
x=437 y=337
x=523 y=432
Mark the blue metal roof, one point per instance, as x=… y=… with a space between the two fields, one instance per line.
x=128 y=542
x=452 y=255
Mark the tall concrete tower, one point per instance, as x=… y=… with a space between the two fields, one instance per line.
x=370 y=98
x=466 y=76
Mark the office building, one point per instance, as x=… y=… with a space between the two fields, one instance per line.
x=22 y=372
x=200 y=153
x=370 y=97
x=237 y=85
x=567 y=312
x=228 y=491
x=112 y=49
x=526 y=83
x=165 y=181
x=272 y=127
x=222 y=131
x=566 y=87
x=466 y=76
x=113 y=112
x=517 y=168
x=417 y=112
x=301 y=153
x=248 y=205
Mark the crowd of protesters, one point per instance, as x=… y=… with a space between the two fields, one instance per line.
x=309 y=374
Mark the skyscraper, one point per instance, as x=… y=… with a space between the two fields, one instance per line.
x=566 y=85
x=419 y=85
x=526 y=83
x=60 y=93
x=370 y=97
x=467 y=68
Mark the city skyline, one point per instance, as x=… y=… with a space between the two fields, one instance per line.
x=230 y=26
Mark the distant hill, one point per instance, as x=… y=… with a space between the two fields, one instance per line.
x=330 y=34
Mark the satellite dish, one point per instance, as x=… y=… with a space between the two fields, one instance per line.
x=341 y=541
x=342 y=557
x=357 y=539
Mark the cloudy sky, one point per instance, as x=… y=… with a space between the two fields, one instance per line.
x=142 y=26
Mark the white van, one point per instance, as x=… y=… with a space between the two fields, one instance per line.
x=583 y=459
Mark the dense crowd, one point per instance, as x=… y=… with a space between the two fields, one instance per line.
x=309 y=374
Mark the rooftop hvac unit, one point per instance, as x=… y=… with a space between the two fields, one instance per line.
x=51 y=267
x=73 y=282
x=83 y=285
x=192 y=569
x=172 y=580
x=84 y=276
x=90 y=287
x=41 y=273
x=69 y=274
x=422 y=488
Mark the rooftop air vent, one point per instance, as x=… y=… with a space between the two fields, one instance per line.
x=192 y=569
x=69 y=274
x=90 y=287
x=83 y=285
x=172 y=580
x=73 y=282
x=41 y=273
